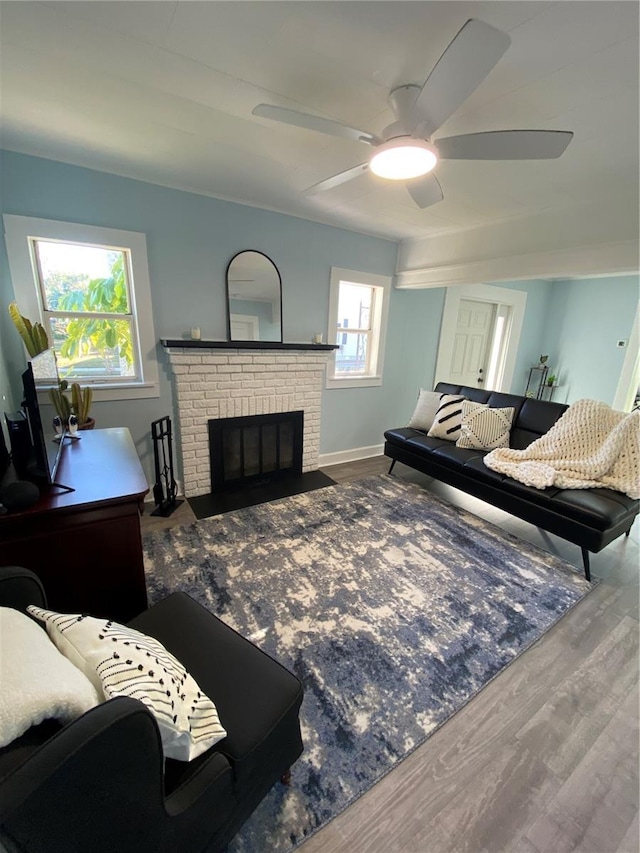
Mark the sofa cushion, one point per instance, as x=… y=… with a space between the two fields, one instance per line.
x=258 y=699
x=121 y=661
x=476 y=467
x=448 y=419
x=37 y=683
x=452 y=455
x=400 y=435
x=538 y=416
x=422 y=442
x=599 y=508
x=485 y=428
x=425 y=410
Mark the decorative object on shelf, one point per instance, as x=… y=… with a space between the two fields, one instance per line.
x=36 y=341
x=79 y=404
x=73 y=424
x=317 y=338
x=543 y=359
x=541 y=384
x=164 y=489
x=195 y=333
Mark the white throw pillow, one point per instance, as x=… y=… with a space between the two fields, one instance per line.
x=448 y=419
x=37 y=683
x=425 y=411
x=484 y=428
x=123 y=662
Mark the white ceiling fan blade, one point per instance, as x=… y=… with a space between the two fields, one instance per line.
x=462 y=67
x=505 y=145
x=425 y=191
x=336 y=180
x=311 y=122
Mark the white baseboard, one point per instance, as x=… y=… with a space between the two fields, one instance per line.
x=352 y=455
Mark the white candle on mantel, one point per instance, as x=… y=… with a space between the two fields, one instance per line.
x=195 y=333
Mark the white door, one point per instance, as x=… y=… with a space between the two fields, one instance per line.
x=472 y=342
x=244 y=327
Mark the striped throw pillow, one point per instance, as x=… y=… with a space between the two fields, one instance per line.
x=121 y=661
x=448 y=419
x=484 y=428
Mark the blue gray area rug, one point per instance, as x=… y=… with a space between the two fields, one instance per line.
x=393 y=607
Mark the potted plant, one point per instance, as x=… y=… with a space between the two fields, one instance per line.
x=551 y=381
x=79 y=404
x=36 y=341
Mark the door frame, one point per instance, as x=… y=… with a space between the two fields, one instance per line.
x=514 y=300
x=630 y=373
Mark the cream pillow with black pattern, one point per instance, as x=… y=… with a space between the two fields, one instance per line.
x=120 y=661
x=448 y=419
x=484 y=428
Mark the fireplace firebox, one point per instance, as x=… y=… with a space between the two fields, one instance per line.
x=255 y=449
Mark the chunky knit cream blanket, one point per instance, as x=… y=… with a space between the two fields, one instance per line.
x=591 y=445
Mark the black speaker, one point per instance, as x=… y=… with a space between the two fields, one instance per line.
x=19 y=495
x=20 y=440
x=5 y=459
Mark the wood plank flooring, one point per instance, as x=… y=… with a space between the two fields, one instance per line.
x=545 y=758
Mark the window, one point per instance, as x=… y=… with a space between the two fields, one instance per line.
x=89 y=287
x=358 y=308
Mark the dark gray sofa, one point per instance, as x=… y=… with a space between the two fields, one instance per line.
x=590 y=518
x=100 y=785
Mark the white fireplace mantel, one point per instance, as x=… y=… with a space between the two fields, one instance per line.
x=214 y=379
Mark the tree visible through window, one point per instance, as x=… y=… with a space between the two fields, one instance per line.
x=86 y=297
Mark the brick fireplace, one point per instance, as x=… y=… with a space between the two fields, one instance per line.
x=213 y=380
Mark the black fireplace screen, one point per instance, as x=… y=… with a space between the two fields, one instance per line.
x=255 y=449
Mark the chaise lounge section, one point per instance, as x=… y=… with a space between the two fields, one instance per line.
x=589 y=518
x=101 y=782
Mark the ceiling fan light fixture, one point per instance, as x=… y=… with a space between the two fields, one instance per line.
x=403 y=158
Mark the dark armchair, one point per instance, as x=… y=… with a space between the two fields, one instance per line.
x=101 y=783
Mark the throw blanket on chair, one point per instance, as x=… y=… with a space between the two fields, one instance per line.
x=591 y=445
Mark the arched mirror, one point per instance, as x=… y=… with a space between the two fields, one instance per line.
x=254 y=298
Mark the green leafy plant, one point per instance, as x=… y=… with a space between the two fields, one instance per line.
x=33 y=334
x=552 y=379
x=36 y=341
x=104 y=295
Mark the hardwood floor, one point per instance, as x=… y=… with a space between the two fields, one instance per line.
x=545 y=758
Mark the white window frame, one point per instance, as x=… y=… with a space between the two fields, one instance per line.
x=20 y=231
x=379 y=318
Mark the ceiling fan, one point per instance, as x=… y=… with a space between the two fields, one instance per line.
x=405 y=149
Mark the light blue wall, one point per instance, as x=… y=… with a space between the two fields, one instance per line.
x=190 y=239
x=586 y=318
x=576 y=322
x=410 y=360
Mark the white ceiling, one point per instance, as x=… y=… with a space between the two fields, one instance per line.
x=163 y=92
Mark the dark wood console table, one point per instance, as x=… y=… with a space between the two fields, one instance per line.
x=86 y=545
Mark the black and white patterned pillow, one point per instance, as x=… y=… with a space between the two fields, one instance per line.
x=120 y=661
x=448 y=419
x=484 y=428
